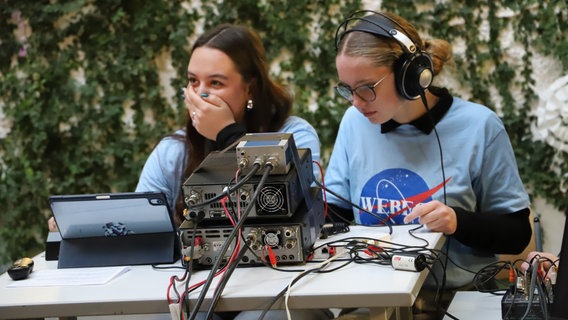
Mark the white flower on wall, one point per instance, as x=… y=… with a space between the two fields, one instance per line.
x=551 y=125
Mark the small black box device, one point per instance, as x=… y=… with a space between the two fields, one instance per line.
x=514 y=306
x=52 y=246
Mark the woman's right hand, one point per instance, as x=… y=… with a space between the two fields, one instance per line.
x=209 y=113
x=545 y=258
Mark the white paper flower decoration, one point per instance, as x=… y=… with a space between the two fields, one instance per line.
x=551 y=124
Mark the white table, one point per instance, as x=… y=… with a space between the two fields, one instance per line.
x=474 y=305
x=142 y=290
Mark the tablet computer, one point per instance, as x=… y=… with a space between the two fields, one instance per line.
x=111 y=215
x=114 y=229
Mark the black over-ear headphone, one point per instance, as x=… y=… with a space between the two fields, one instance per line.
x=413 y=69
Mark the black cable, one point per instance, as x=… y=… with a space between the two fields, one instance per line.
x=437 y=295
x=411 y=233
x=487 y=274
x=367 y=250
x=425 y=102
x=450 y=315
x=543 y=301
x=189 y=271
x=510 y=308
x=267 y=169
x=337 y=215
x=531 y=289
x=383 y=220
x=356 y=248
x=283 y=291
x=454 y=263
x=228 y=190
x=221 y=285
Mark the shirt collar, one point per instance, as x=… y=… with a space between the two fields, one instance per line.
x=424 y=123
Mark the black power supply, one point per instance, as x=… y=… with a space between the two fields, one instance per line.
x=514 y=306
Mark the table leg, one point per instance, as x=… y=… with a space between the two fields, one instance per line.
x=404 y=313
x=383 y=313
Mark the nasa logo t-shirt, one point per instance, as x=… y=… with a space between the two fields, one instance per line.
x=391 y=194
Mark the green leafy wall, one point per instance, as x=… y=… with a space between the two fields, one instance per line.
x=83 y=98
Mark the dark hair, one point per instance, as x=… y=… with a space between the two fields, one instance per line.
x=272 y=103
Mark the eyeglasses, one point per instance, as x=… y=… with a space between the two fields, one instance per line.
x=366 y=92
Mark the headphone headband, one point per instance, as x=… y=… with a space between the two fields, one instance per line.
x=413 y=70
x=366 y=24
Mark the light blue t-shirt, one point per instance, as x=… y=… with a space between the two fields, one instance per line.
x=389 y=173
x=163 y=168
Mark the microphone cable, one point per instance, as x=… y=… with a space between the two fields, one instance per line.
x=383 y=220
x=232 y=262
x=185 y=300
x=267 y=169
x=224 y=279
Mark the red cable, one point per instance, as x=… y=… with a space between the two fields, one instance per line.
x=324 y=190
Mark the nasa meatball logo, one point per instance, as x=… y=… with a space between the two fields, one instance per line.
x=391 y=194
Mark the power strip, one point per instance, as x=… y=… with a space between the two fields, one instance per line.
x=324 y=251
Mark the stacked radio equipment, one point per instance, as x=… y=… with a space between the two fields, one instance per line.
x=265 y=182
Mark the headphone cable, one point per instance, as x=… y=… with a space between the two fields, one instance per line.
x=425 y=102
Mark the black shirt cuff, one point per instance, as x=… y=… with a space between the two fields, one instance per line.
x=506 y=233
x=229 y=135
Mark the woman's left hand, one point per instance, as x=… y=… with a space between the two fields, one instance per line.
x=435 y=216
x=52 y=225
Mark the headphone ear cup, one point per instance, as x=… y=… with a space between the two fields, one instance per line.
x=413 y=74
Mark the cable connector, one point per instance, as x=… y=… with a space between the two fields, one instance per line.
x=195 y=216
x=520 y=286
x=549 y=287
x=174 y=311
x=552 y=275
x=259 y=162
x=243 y=163
x=512 y=275
x=273 y=161
x=272 y=257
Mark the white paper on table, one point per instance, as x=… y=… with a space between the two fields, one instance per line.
x=70 y=277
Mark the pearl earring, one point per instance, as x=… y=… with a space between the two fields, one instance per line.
x=250 y=104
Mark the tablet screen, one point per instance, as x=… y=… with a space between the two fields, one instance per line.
x=111 y=215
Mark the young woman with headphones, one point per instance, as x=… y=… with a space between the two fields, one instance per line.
x=409 y=152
